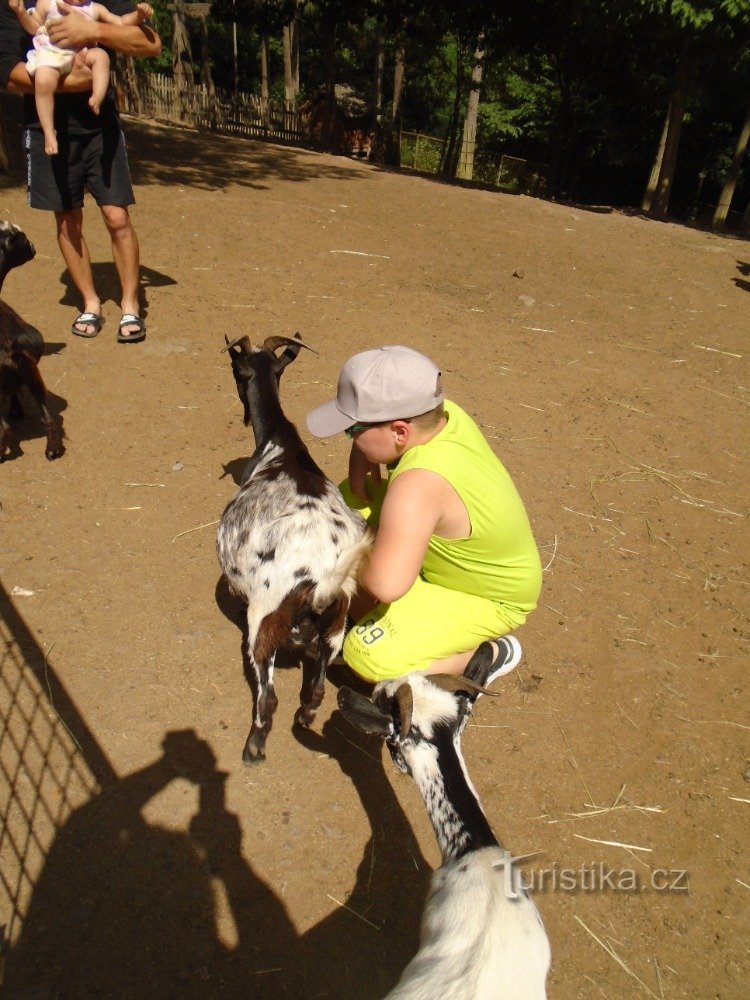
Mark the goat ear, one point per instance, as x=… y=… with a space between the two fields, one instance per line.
x=456 y=682
x=363 y=715
x=405 y=702
x=480 y=668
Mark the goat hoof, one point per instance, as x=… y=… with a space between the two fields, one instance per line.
x=249 y=759
x=254 y=752
x=52 y=453
x=304 y=717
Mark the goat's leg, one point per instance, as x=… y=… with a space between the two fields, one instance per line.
x=15 y=410
x=265 y=706
x=330 y=640
x=5 y=438
x=53 y=427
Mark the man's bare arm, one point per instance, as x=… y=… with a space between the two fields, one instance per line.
x=75 y=30
x=76 y=82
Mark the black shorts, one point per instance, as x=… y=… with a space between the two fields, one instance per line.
x=97 y=163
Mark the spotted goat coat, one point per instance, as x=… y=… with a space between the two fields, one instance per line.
x=287 y=542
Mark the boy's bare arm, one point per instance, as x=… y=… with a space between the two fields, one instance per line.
x=75 y=30
x=411 y=511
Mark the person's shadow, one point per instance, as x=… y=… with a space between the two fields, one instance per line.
x=126 y=909
x=107 y=284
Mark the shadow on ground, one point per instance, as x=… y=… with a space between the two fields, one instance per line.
x=127 y=909
x=169 y=155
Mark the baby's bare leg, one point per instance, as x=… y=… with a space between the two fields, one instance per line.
x=46 y=79
x=97 y=61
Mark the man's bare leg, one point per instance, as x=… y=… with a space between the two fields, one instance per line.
x=76 y=256
x=126 y=255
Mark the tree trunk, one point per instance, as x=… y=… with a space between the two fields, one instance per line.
x=235 y=64
x=264 y=87
x=377 y=81
x=722 y=209
x=468 y=146
x=288 y=74
x=291 y=62
x=126 y=84
x=182 y=60
x=206 y=78
x=648 y=194
x=330 y=140
x=660 y=203
x=399 y=75
x=294 y=30
x=448 y=155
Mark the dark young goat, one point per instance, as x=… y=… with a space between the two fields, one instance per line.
x=482 y=937
x=288 y=544
x=21 y=347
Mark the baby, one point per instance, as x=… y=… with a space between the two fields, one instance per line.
x=46 y=63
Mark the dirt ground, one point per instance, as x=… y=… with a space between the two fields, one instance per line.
x=605 y=356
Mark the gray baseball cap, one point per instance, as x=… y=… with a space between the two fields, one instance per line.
x=387 y=383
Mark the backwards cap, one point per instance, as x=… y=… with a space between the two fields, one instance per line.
x=388 y=383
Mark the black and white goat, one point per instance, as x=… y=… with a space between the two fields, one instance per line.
x=21 y=348
x=288 y=544
x=482 y=937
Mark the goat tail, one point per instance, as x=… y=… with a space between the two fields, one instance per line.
x=343 y=576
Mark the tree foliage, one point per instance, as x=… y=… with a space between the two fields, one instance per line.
x=578 y=86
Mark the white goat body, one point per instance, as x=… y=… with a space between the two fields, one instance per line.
x=476 y=942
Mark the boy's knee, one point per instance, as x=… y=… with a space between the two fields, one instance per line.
x=362 y=659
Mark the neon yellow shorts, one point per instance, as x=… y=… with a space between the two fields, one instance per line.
x=426 y=624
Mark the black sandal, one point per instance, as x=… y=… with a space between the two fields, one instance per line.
x=88 y=319
x=130 y=319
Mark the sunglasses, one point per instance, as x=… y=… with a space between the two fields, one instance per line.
x=358 y=428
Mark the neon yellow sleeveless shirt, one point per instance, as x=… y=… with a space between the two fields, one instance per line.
x=499 y=559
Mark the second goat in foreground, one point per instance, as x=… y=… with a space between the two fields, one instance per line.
x=482 y=937
x=288 y=544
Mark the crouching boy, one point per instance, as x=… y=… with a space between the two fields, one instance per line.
x=454 y=561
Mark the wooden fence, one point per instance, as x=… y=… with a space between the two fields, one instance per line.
x=157 y=96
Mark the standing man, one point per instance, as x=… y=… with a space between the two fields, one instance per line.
x=91 y=155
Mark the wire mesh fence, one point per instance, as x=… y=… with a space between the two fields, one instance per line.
x=47 y=768
x=428 y=154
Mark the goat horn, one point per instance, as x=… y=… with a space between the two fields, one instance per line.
x=405 y=702
x=244 y=340
x=455 y=682
x=274 y=343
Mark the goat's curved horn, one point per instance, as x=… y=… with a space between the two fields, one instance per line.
x=405 y=702
x=243 y=341
x=455 y=682
x=274 y=343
